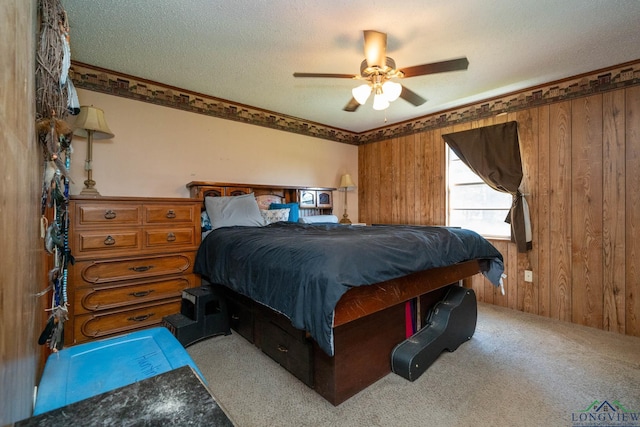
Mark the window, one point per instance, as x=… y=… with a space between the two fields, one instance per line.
x=473 y=204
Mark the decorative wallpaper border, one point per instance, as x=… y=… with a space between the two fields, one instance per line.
x=96 y=79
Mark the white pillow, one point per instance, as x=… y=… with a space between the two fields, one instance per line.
x=312 y=219
x=230 y=211
x=275 y=215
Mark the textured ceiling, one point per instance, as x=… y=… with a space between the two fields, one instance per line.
x=246 y=51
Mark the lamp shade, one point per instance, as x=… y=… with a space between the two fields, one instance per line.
x=92 y=119
x=380 y=102
x=361 y=93
x=346 y=182
x=391 y=90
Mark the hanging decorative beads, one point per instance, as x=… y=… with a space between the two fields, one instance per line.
x=53 y=89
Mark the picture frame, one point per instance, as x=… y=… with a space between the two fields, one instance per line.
x=308 y=199
x=324 y=199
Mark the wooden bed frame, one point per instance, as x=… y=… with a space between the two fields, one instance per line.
x=369 y=321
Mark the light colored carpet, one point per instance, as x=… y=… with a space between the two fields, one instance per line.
x=518 y=369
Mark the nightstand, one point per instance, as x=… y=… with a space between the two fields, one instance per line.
x=133 y=258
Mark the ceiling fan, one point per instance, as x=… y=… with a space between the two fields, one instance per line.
x=378 y=69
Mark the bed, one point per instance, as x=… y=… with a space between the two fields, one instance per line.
x=328 y=302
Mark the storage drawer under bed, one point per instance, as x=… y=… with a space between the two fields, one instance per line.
x=272 y=333
x=290 y=347
x=241 y=313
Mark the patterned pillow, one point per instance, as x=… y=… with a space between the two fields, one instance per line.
x=274 y=215
x=264 y=200
x=294 y=213
x=205 y=222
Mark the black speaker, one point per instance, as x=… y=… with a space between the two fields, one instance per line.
x=203 y=314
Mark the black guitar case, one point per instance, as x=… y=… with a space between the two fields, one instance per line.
x=451 y=322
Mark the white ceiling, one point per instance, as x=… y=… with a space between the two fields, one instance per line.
x=246 y=51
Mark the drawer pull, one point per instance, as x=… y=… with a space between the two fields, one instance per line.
x=109 y=241
x=140 y=294
x=109 y=214
x=282 y=349
x=141 y=318
x=142 y=268
x=171 y=214
x=171 y=237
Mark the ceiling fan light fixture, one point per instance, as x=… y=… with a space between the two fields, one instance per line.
x=391 y=90
x=361 y=93
x=377 y=69
x=380 y=102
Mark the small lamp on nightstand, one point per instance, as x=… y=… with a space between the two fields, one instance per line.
x=91 y=124
x=346 y=184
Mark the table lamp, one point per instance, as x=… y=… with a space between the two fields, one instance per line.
x=346 y=184
x=91 y=124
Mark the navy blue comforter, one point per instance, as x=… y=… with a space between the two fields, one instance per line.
x=302 y=270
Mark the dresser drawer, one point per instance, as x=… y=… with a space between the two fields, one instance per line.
x=105 y=214
x=88 y=242
x=172 y=214
x=106 y=271
x=103 y=324
x=170 y=237
x=119 y=295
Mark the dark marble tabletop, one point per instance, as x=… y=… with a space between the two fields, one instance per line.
x=175 y=398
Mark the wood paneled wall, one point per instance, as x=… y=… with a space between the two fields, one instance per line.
x=581 y=162
x=21 y=262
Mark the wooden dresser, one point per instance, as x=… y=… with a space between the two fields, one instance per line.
x=133 y=258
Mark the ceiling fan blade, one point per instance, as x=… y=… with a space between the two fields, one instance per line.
x=436 y=67
x=327 y=75
x=351 y=105
x=375 y=48
x=412 y=97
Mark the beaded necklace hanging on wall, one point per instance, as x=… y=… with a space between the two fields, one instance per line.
x=55 y=99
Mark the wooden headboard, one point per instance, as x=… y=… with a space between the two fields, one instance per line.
x=312 y=200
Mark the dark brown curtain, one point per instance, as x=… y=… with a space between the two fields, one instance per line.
x=493 y=153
